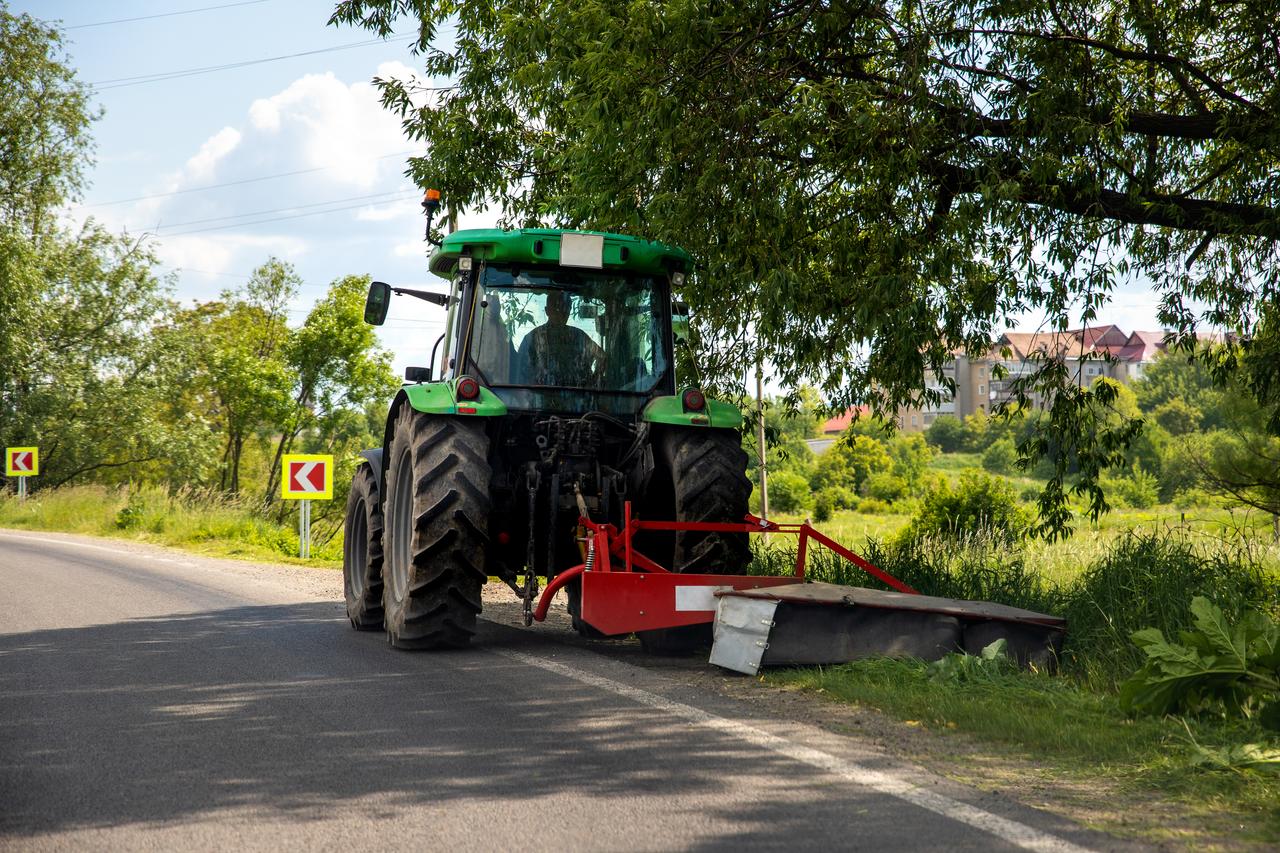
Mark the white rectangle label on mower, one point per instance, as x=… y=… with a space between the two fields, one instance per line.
x=697 y=597
x=582 y=250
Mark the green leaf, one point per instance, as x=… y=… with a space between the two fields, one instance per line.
x=1213 y=625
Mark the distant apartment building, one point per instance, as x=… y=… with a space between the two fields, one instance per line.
x=1088 y=353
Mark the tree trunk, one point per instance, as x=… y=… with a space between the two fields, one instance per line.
x=226 y=461
x=286 y=444
x=237 y=449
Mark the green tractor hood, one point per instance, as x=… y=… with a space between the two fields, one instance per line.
x=542 y=246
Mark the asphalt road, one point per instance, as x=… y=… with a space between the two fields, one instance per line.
x=154 y=700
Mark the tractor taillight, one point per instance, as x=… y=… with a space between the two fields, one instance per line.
x=468 y=388
x=693 y=400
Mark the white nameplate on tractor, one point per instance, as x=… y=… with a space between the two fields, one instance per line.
x=582 y=250
x=697 y=597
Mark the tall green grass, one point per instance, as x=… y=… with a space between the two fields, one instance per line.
x=1147 y=579
x=1141 y=579
x=196 y=520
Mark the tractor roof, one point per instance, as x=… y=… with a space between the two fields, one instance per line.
x=542 y=246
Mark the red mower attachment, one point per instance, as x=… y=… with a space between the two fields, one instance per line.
x=761 y=621
x=624 y=591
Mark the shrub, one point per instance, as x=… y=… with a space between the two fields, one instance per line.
x=823 y=506
x=789 y=492
x=884 y=486
x=840 y=498
x=1138 y=490
x=130 y=515
x=977 y=503
x=873 y=506
x=946 y=433
x=1001 y=457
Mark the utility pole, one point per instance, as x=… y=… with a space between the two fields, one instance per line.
x=764 y=473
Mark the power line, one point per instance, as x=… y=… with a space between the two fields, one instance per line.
x=121 y=82
x=380 y=195
x=277 y=218
x=165 y=14
x=229 y=183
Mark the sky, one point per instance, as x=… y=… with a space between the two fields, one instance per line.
x=293 y=158
x=289 y=157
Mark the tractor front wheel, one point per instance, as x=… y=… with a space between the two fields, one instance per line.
x=362 y=552
x=437 y=521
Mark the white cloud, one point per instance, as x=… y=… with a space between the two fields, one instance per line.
x=201 y=167
x=382 y=213
x=412 y=249
x=331 y=125
x=227 y=253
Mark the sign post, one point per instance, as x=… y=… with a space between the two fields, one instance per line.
x=306 y=478
x=21 y=462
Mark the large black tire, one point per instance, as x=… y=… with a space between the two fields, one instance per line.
x=362 y=552
x=700 y=475
x=437 y=522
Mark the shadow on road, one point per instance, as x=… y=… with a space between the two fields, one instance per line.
x=282 y=709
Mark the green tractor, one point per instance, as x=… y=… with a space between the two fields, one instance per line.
x=550 y=397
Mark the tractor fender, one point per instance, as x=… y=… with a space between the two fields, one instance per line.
x=374 y=457
x=669 y=411
x=435 y=398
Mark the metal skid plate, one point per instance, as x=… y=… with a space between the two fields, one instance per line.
x=617 y=603
x=824 y=624
x=742 y=629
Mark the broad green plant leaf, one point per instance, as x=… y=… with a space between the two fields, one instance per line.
x=1213 y=668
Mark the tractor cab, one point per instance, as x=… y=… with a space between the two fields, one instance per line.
x=570 y=340
x=560 y=321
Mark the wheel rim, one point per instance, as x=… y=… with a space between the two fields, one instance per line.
x=357 y=548
x=399 y=525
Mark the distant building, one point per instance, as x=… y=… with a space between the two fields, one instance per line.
x=835 y=427
x=1088 y=353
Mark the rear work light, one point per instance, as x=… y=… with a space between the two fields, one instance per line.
x=468 y=388
x=693 y=400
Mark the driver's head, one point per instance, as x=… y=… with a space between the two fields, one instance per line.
x=558 y=307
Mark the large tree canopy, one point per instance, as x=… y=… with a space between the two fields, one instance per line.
x=44 y=123
x=869 y=185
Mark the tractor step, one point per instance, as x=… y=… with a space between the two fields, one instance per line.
x=822 y=623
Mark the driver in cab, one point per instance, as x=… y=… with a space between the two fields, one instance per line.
x=556 y=353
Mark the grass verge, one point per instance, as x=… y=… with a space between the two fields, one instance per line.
x=202 y=523
x=1081 y=738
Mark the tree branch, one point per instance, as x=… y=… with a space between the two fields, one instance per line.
x=1167 y=211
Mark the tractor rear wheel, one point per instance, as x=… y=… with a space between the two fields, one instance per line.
x=437 y=522
x=362 y=552
x=700 y=475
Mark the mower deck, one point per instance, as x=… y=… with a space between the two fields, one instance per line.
x=762 y=620
x=821 y=623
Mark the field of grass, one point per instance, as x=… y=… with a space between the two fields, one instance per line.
x=199 y=523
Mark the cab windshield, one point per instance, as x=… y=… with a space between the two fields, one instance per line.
x=568 y=329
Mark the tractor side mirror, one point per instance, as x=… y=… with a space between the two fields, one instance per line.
x=377 y=303
x=680 y=322
x=417 y=374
